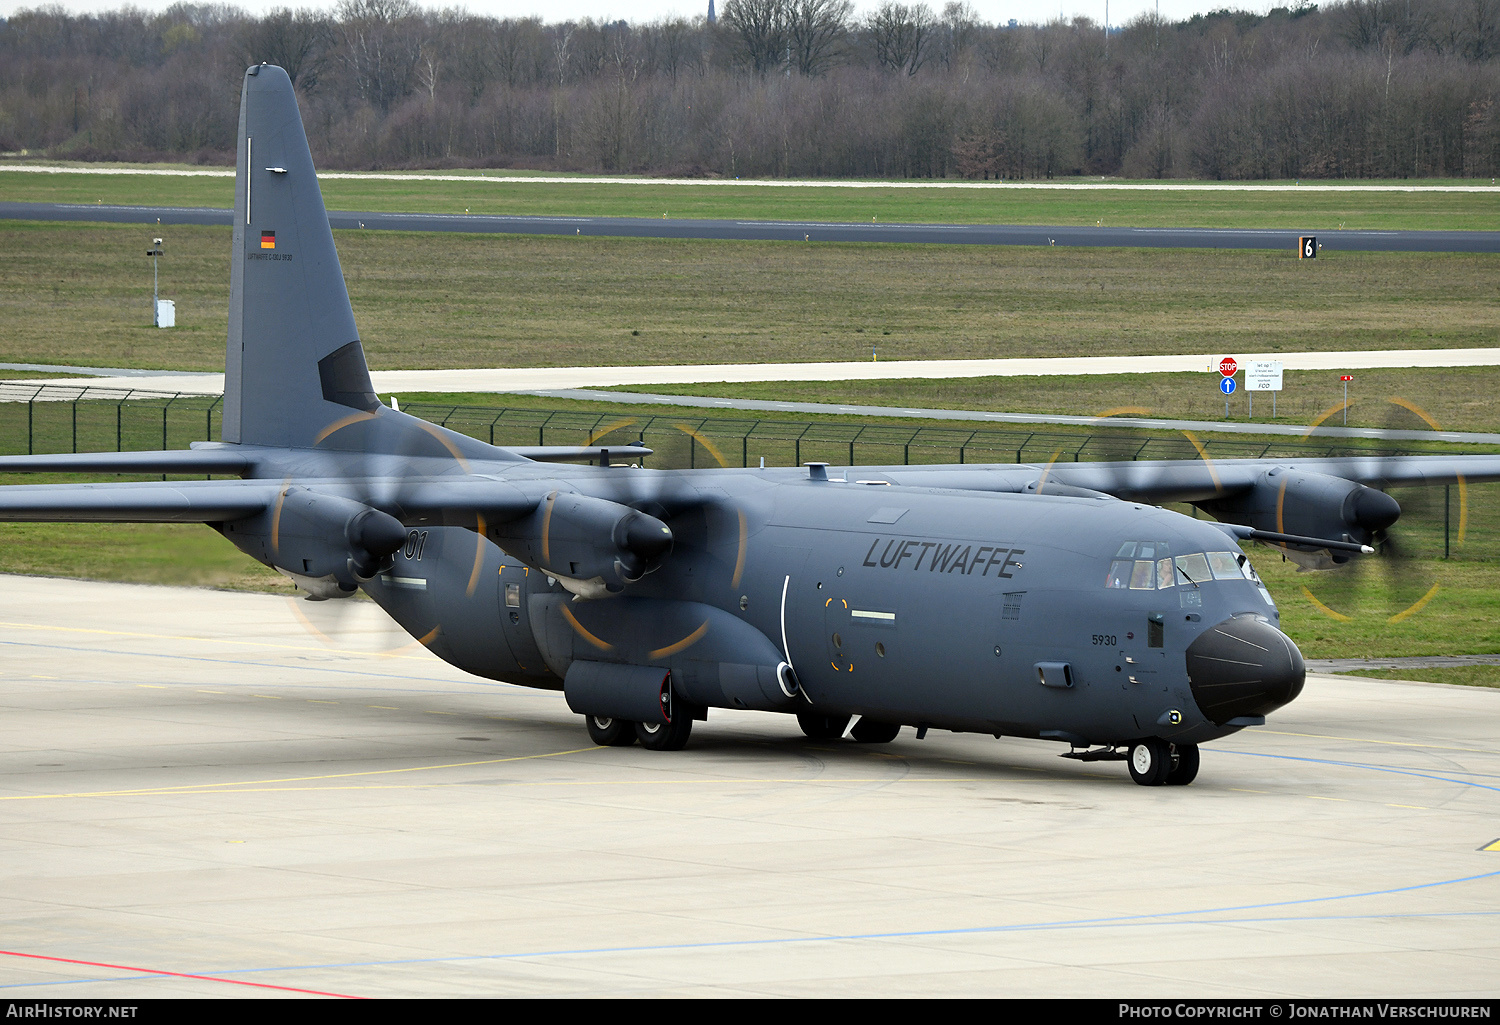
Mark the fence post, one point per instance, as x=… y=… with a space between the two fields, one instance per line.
x=75 y=425
x=29 y=403
x=1446 y=519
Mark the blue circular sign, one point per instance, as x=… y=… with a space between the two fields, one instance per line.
x=1226 y=385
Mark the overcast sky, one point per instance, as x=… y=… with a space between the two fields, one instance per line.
x=1120 y=11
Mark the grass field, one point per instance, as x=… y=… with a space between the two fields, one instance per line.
x=80 y=294
x=1473 y=676
x=1457 y=398
x=1297 y=211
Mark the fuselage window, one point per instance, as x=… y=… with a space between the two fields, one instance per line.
x=1143 y=576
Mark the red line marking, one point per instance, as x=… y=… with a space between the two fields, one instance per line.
x=177 y=975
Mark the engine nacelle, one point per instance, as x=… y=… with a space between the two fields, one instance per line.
x=1286 y=500
x=586 y=541
x=334 y=541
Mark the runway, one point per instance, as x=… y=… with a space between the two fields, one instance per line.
x=203 y=797
x=805 y=231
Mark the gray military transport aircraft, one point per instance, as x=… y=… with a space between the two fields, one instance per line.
x=1055 y=603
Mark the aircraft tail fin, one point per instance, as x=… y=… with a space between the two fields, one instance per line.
x=293 y=363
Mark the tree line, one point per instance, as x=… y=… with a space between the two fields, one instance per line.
x=792 y=88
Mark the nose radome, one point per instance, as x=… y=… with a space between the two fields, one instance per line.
x=1243 y=666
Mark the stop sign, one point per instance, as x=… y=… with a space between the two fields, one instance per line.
x=1227 y=366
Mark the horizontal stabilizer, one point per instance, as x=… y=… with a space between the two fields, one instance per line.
x=579 y=453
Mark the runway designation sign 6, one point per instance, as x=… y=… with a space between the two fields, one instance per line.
x=1227 y=366
x=1263 y=375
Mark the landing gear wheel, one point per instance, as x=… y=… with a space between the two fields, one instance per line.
x=671 y=736
x=823 y=727
x=1184 y=765
x=873 y=731
x=610 y=732
x=1150 y=761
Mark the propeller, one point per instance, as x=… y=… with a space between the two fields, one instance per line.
x=1398 y=581
x=1120 y=468
x=358 y=625
x=631 y=521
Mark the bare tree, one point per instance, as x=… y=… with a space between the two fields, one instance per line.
x=674 y=45
x=815 y=29
x=381 y=43
x=959 y=25
x=298 y=42
x=902 y=36
x=759 y=29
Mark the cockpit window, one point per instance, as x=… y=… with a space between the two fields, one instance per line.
x=1147 y=565
x=1225 y=566
x=1192 y=569
x=1143 y=550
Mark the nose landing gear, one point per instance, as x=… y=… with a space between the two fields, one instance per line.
x=1154 y=762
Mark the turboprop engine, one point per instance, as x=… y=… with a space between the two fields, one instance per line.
x=593 y=546
x=327 y=544
x=1286 y=500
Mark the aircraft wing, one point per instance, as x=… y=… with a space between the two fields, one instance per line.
x=1199 y=480
x=152 y=502
x=429 y=502
x=1336 y=502
x=179 y=461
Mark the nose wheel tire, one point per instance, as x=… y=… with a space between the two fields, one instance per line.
x=610 y=732
x=672 y=736
x=872 y=731
x=1150 y=761
x=823 y=727
x=1184 y=765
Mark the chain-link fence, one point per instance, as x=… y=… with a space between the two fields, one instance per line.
x=37 y=419
x=86 y=418
x=82 y=418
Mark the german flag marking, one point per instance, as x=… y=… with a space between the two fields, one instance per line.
x=268 y=240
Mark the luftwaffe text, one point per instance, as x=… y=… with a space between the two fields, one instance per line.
x=942 y=557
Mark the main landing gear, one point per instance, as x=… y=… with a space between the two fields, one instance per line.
x=1154 y=762
x=832 y=727
x=653 y=736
